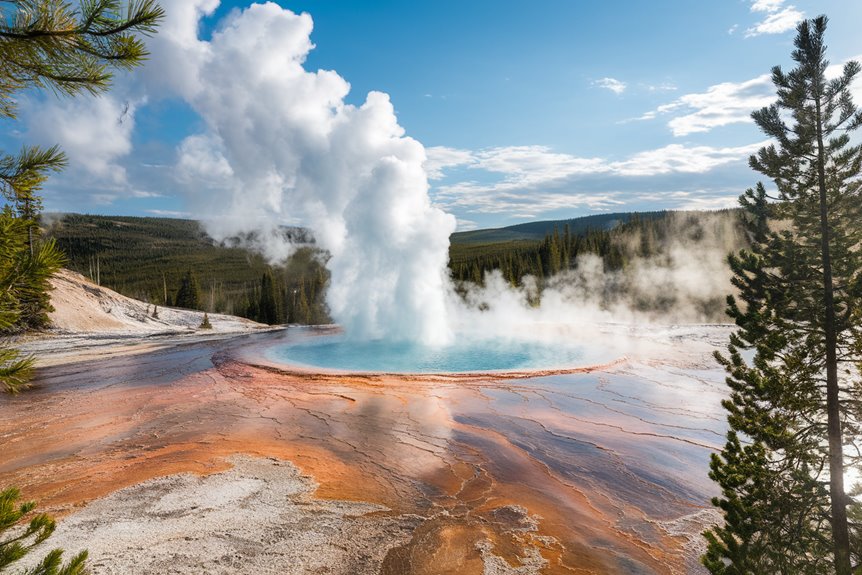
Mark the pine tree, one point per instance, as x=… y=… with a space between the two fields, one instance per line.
x=47 y=44
x=23 y=280
x=189 y=293
x=37 y=530
x=205 y=322
x=791 y=411
x=268 y=306
x=304 y=310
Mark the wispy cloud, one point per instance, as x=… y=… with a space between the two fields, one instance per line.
x=727 y=103
x=778 y=19
x=663 y=87
x=531 y=180
x=464 y=225
x=95 y=132
x=530 y=166
x=438 y=158
x=475 y=197
x=612 y=84
x=680 y=159
x=170 y=213
x=766 y=5
x=720 y=105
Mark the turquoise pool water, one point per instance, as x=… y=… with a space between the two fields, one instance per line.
x=337 y=352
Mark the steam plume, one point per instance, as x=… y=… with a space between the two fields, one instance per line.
x=281 y=144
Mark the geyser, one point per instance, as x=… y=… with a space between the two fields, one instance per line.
x=281 y=145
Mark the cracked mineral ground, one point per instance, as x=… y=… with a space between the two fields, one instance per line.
x=204 y=456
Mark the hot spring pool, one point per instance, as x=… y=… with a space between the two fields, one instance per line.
x=340 y=353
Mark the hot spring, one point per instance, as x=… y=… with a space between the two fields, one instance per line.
x=337 y=352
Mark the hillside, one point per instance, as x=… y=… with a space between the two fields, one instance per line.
x=536 y=231
x=145 y=258
x=80 y=306
x=140 y=257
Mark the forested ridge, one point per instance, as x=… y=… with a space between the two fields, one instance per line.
x=149 y=257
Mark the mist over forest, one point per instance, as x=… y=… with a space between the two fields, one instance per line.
x=658 y=266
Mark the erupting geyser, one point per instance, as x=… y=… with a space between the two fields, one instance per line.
x=281 y=145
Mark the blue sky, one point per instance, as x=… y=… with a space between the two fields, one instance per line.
x=535 y=110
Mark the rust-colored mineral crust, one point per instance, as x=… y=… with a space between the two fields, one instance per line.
x=592 y=471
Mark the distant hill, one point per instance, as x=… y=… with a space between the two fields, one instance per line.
x=138 y=256
x=536 y=231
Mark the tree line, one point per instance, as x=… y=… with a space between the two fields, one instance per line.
x=641 y=239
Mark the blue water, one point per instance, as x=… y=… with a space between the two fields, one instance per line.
x=337 y=352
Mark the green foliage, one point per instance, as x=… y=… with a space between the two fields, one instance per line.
x=23 y=538
x=189 y=293
x=205 y=323
x=145 y=258
x=48 y=44
x=24 y=275
x=268 y=311
x=792 y=410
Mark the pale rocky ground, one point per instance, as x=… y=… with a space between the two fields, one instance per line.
x=91 y=321
x=258 y=517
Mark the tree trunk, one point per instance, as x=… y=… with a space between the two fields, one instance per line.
x=838 y=499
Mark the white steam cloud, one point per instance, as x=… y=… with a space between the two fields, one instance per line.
x=687 y=282
x=281 y=145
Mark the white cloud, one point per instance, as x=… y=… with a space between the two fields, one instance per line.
x=728 y=103
x=438 y=158
x=532 y=176
x=766 y=5
x=534 y=165
x=663 y=87
x=695 y=199
x=680 y=159
x=612 y=84
x=94 y=131
x=531 y=166
x=465 y=225
x=778 y=18
x=720 y=105
x=170 y=213
x=514 y=202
